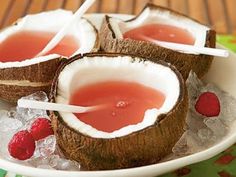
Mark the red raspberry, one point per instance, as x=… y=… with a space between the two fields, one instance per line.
x=22 y=145
x=208 y=104
x=41 y=128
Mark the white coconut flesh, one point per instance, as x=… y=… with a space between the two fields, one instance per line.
x=51 y=21
x=99 y=69
x=161 y=16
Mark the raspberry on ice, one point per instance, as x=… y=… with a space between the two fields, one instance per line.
x=22 y=145
x=41 y=128
x=208 y=104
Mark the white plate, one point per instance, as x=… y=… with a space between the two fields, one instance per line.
x=222 y=73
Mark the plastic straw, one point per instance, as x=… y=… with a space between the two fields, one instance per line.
x=60 y=35
x=191 y=48
x=23 y=103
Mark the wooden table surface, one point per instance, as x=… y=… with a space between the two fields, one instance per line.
x=219 y=14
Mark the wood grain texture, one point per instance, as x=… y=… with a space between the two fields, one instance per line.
x=139 y=4
x=95 y=7
x=125 y=7
x=54 y=4
x=5 y=5
x=72 y=4
x=217 y=16
x=109 y=6
x=36 y=6
x=164 y=3
x=198 y=11
x=179 y=5
x=17 y=10
x=231 y=12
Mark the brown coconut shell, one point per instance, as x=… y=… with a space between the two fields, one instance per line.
x=144 y=147
x=39 y=76
x=200 y=64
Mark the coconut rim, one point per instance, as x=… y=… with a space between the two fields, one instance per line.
x=158 y=119
x=119 y=27
x=23 y=24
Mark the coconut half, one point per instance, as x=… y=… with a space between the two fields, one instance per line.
x=131 y=146
x=22 y=78
x=112 y=30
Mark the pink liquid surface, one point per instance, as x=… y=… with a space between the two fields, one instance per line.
x=127 y=103
x=26 y=44
x=160 y=32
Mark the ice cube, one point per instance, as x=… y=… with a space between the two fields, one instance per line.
x=3 y=114
x=193 y=82
x=53 y=160
x=193 y=143
x=216 y=126
x=228 y=113
x=8 y=127
x=205 y=135
x=46 y=146
x=12 y=113
x=26 y=114
x=45 y=166
x=193 y=85
x=188 y=144
x=36 y=161
x=9 y=124
x=194 y=121
x=4 y=142
x=5 y=138
x=180 y=148
x=64 y=164
x=39 y=96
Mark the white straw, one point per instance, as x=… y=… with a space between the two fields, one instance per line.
x=192 y=48
x=23 y=103
x=59 y=36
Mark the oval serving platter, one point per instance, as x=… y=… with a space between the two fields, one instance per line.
x=217 y=75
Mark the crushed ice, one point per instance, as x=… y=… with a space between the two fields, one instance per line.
x=46 y=154
x=202 y=132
